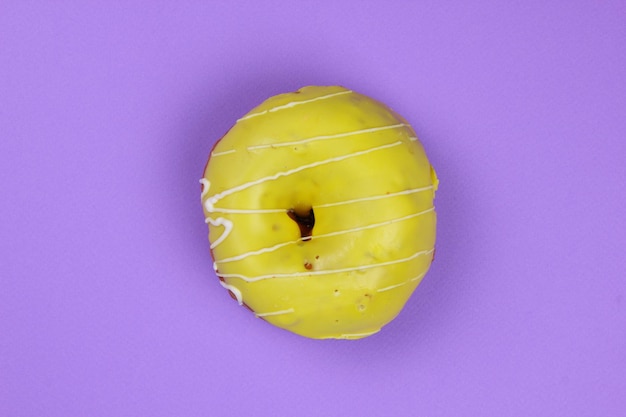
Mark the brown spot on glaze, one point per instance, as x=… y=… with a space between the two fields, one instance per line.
x=308 y=265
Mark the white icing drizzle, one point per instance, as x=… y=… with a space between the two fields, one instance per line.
x=246 y=211
x=326 y=137
x=213 y=154
x=328 y=271
x=220 y=221
x=420 y=276
x=205 y=187
x=376 y=197
x=338 y=203
x=209 y=204
x=337 y=233
x=293 y=104
x=275 y=313
x=234 y=290
x=391 y=287
x=355 y=335
x=412 y=138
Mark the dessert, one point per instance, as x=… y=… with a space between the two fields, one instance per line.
x=320 y=212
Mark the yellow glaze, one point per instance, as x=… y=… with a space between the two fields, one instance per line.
x=361 y=169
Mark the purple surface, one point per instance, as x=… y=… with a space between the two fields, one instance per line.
x=108 y=302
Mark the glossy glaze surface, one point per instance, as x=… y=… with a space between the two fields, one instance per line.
x=355 y=173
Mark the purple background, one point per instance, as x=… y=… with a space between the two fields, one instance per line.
x=108 y=302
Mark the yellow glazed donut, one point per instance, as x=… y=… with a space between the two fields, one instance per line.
x=320 y=212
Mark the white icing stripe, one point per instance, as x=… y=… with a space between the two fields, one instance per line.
x=329 y=271
x=247 y=211
x=412 y=138
x=315 y=237
x=222 y=153
x=357 y=335
x=274 y=313
x=234 y=290
x=220 y=221
x=377 y=197
x=205 y=187
x=326 y=137
x=391 y=287
x=293 y=104
x=211 y=201
x=339 y=203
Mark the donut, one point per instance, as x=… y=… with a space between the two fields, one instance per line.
x=320 y=211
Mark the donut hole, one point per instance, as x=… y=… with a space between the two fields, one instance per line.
x=305 y=219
